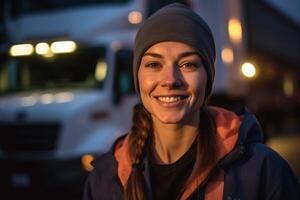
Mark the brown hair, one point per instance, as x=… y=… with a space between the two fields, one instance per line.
x=141 y=132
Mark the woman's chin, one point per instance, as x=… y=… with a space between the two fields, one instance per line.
x=170 y=119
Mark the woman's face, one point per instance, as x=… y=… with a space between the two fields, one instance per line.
x=172 y=82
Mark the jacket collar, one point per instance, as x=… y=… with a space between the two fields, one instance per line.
x=249 y=132
x=227 y=127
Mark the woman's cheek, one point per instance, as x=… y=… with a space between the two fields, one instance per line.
x=147 y=83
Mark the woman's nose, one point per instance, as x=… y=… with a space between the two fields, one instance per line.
x=171 y=77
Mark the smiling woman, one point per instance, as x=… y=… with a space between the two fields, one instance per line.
x=178 y=147
x=172 y=83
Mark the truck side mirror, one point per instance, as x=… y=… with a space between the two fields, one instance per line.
x=123 y=78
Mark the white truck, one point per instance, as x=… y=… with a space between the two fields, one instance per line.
x=66 y=88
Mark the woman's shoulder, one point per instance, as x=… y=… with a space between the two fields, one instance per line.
x=255 y=155
x=104 y=162
x=265 y=153
x=101 y=181
x=272 y=163
x=104 y=169
x=268 y=174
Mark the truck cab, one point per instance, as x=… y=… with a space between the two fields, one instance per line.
x=66 y=91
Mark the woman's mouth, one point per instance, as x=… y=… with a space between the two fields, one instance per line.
x=170 y=99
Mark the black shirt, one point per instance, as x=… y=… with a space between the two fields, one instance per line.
x=168 y=180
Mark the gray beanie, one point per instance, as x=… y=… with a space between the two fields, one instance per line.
x=176 y=22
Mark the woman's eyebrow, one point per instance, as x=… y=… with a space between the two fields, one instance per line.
x=187 y=54
x=182 y=55
x=156 y=55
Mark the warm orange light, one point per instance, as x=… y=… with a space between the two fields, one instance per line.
x=86 y=162
x=288 y=86
x=235 y=30
x=227 y=55
x=135 y=17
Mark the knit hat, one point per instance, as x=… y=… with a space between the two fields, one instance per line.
x=176 y=22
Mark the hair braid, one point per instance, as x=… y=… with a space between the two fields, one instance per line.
x=138 y=137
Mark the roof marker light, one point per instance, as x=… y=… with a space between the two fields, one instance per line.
x=42 y=48
x=21 y=50
x=63 y=47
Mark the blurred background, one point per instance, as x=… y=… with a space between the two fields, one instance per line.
x=66 y=89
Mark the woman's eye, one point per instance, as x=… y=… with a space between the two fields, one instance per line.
x=153 y=65
x=189 y=66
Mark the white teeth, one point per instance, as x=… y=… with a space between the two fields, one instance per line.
x=169 y=99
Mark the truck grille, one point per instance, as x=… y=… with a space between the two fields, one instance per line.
x=16 y=138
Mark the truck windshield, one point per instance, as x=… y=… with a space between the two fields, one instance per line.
x=84 y=69
x=20 y=7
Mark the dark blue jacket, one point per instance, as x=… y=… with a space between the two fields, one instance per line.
x=252 y=172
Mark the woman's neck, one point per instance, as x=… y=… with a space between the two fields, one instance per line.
x=171 y=141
